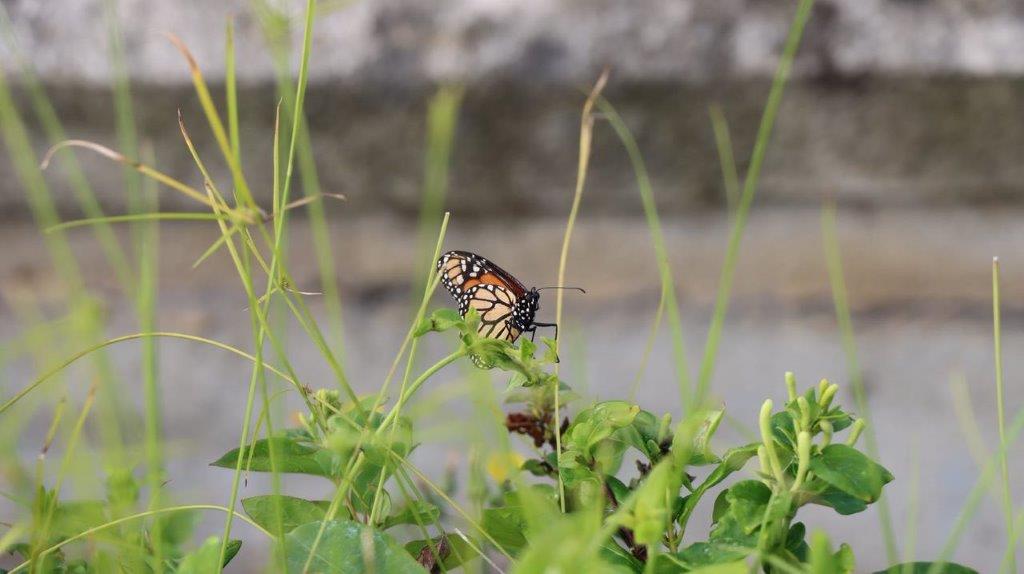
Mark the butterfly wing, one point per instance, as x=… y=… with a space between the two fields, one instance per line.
x=462 y=270
x=495 y=305
x=473 y=281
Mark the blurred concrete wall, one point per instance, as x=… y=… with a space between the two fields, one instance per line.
x=895 y=102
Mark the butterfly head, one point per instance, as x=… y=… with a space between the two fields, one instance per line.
x=525 y=310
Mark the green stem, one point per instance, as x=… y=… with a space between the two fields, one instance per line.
x=1001 y=414
x=119 y=521
x=586 y=135
x=837 y=281
x=750 y=183
x=764 y=423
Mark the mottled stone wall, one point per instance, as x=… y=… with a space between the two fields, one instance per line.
x=895 y=102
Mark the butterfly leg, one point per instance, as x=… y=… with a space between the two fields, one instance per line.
x=555 y=325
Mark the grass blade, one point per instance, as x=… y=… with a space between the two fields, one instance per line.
x=1004 y=469
x=586 y=136
x=842 y=309
x=764 y=132
x=668 y=298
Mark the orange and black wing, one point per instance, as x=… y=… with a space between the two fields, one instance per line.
x=495 y=305
x=473 y=281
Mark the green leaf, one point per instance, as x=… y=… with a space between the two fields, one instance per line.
x=176 y=527
x=706 y=553
x=732 y=460
x=618 y=488
x=701 y=453
x=923 y=567
x=439 y=321
x=346 y=547
x=292 y=457
x=616 y=555
x=507 y=526
x=821 y=559
x=454 y=551
x=294 y=511
x=738 y=567
x=73 y=517
x=588 y=442
x=850 y=471
x=550 y=351
x=784 y=430
x=795 y=541
x=745 y=504
x=414 y=512
x=206 y=558
x=641 y=433
x=775 y=521
x=840 y=501
x=652 y=511
x=564 y=543
x=538 y=467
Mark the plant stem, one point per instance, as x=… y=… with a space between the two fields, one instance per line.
x=586 y=134
x=764 y=132
x=1001 y=414
x=148 y=513
x=837 y=281
x=764 y=423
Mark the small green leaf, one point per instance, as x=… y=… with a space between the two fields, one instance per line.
x=206 y=558
x=414 y=512
x=292 y=457
x=840 y=501
x=73 y=517
x=507 y=526
x=438 y=321
x=346 y=547
x=564 y=543
x=821 y=559
x=702 y=440
x=550 y=351
x=795 y=541
x=616 y=555
x=732 y=460
x=454 y=552
x=924 y=567
x=784 y=430
x=538 y=467
x=651 y=511
x=294 y=511
x=176 y=527
x=738 y=567
x=745 y=504
x=850 y=471
x=705 y=553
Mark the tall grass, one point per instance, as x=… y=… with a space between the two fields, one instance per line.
x=840 y=300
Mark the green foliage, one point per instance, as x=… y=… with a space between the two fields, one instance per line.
x=452 y=551
x=345 y=547
x=292 y=457
x=264 y=510
x=206 y=559
x=927 y=567
x=849 y=471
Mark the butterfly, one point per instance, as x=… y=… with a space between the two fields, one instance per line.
x=507 y=308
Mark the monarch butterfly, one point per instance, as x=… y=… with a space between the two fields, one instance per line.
x=507 y=308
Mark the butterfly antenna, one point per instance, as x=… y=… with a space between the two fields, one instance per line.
x=580 y=289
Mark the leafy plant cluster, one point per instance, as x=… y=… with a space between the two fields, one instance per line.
x=575 y=506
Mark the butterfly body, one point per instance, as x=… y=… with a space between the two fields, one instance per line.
x=507 y=308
